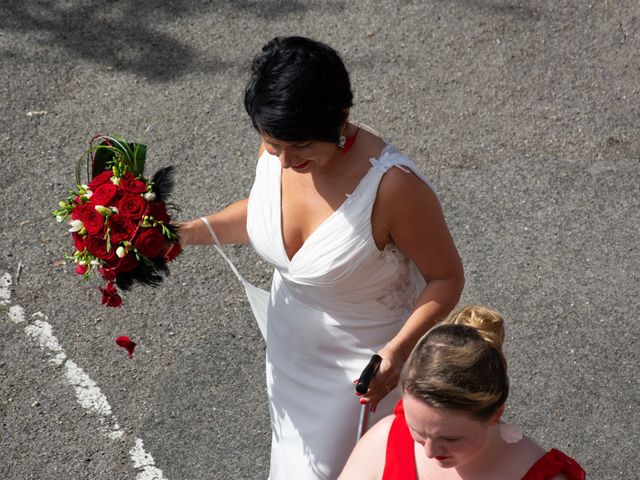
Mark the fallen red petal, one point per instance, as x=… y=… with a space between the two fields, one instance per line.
x=126 y=343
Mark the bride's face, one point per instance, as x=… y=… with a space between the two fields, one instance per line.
x=302 y=157
x=449 y=437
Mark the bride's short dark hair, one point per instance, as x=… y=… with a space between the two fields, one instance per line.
x=299 y=90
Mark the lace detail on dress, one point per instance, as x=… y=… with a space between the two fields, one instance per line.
x=399 y=295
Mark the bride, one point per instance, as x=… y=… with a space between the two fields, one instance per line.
x=363 y=260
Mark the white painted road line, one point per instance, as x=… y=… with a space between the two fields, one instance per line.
x=142 y=460
x=16 y=314
x=42 y=332
x=5 y=289
x=87 y=392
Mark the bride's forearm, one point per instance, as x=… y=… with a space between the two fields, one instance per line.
x=229 y=225
x=435 y=302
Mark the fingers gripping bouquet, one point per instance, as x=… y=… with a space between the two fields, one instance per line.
x=119 y=220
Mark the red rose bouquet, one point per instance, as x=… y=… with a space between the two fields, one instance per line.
x=119 y=220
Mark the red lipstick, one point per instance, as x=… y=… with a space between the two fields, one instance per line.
x=300 y=166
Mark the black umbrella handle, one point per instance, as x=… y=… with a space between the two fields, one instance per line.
x=368 y=373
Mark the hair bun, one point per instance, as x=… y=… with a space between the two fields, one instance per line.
x=488 y=323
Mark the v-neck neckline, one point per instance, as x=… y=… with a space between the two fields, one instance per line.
x=348 y=196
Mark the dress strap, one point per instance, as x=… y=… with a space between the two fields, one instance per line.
x=258 y=298
x=391 y=157
x=218 y=246
x=400 y=462
x=553 y=463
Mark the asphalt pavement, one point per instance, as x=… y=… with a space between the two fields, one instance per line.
x=525 y=115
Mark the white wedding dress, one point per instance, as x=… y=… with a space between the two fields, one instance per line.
x=335 y=303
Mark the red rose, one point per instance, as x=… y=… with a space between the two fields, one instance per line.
x=122 y=265
x=131 y=185
x=132 y=206
x=158 y=210
x=90 y=217
x=126 y=264
x=121 y=228
x=104 y=194
x=97 y=247
x=79 y=241
x=150 y=242
x=81 y=269
x=108 y=274
x=172 y=252
x=110 y=296
x=99 y=179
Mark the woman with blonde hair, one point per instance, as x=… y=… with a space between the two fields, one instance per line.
x=448 y=423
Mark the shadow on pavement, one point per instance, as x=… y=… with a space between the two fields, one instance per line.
x=506 y=8
x=130 y=35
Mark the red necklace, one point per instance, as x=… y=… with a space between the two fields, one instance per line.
x=348 y=143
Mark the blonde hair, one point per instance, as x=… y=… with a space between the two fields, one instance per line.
x=459 y=363
x=487 y=322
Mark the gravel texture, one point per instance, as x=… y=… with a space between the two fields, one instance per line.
x=524 y=114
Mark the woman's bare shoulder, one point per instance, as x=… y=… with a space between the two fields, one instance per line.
x=382 y=427
x=398 y=179
x=368 y=457
x=531 y=447
x=523 y=454
x=401 y=193
x=376 y=436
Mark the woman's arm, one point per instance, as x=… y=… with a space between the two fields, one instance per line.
x=229 y=225
x=407 y=213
